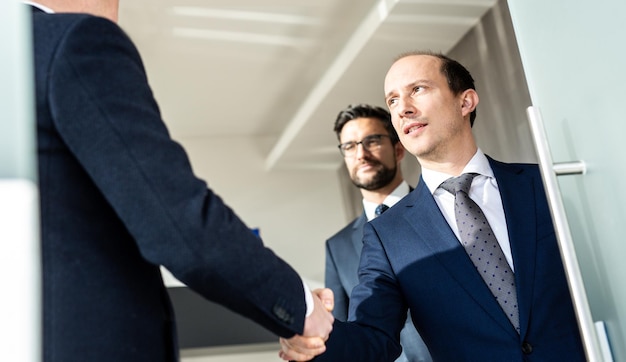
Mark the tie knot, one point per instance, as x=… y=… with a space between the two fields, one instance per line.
x=459 y=183
x=380 y=209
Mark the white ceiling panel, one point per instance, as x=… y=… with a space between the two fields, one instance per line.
x=282 y=68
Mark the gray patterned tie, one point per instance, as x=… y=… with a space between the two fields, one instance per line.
x=482 y=247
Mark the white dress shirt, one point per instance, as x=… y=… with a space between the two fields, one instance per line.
x=485 y=193
x=396 y=195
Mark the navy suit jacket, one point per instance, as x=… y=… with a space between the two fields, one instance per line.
x=119 y=199
x=412 y=259
x=343 y=252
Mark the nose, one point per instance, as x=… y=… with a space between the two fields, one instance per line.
x=406 y=107
x=361 y=151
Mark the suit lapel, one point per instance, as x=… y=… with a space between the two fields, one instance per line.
x=357 y=235
x=433 y=232
x=518 y=201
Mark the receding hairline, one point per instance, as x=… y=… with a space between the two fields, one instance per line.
x=437 y=56
x=413 y=54
x=403 y=56
x=418 y=52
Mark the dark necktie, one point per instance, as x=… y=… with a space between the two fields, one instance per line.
x=380 y=209
x=482 y=247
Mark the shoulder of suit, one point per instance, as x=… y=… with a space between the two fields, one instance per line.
x=59 y=18
x=347 y=231
x=516 y=168
x=54 y=33
x=72 y=21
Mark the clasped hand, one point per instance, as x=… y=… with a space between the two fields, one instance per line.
x=317 y=328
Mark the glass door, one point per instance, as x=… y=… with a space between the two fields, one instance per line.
x=575 y=63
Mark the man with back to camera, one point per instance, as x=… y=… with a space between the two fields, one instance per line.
x=512 y=303
x=372 y=154
x=118 y=198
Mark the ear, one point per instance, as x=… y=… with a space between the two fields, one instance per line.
x=469 y=101
x=399 y=150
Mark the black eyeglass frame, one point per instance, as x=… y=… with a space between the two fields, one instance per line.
x=376 y=138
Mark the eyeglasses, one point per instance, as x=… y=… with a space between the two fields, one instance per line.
x=369 y=143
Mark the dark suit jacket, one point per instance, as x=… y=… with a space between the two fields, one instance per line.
x=118 y=199
x=343 y=252
x=412 y=259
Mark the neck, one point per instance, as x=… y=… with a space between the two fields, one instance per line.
x=104 y=8
x=451 y=160
x=452 y=167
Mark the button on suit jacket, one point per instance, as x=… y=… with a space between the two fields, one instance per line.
x=118 y=199
x=411 y=259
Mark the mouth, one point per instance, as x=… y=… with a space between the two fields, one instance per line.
x=413 y=127
x=367 y=165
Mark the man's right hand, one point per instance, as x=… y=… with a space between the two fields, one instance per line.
x=317 y=328
x=320 y=322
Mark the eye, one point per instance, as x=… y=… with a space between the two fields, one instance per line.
x=373 y=140
x=348 y=146
x=420 y=88
x=391 y=101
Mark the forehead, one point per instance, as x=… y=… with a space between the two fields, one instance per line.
x=357 y=128
x=413 y=68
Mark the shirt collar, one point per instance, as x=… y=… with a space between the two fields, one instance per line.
x=478 y=164
x=396 y=195
x=39 y=6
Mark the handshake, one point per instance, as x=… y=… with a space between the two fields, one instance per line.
x=317 y=328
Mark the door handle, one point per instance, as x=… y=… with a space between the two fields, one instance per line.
x=549 y=173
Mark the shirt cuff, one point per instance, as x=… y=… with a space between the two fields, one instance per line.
x=308 y=298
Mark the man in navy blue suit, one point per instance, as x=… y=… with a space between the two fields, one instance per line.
x=372 y=154
x=412 y=258
x=119 y=199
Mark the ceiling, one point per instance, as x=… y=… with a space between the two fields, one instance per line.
x=281 y=70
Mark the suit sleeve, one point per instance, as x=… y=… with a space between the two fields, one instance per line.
x=377 y=311
x=332 y=281
x=105 y=112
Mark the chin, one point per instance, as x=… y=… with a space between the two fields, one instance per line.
x=363 y=180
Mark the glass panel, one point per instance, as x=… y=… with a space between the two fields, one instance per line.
x=19 y=256
x=17 y=144
x=573 y=58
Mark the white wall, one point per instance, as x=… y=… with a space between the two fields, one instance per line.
x=490 y=53
x=296 y=210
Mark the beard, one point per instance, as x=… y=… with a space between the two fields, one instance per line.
x=383 y=176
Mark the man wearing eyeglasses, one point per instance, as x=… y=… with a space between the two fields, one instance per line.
x=372 y=154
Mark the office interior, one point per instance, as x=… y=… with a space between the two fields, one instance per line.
x=251 y=90
x=306 y=176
